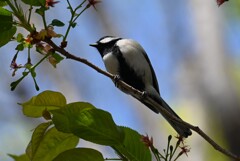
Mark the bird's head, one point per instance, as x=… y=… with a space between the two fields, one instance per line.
x=105 y=43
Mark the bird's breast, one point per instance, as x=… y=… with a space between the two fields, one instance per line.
x=111 y=63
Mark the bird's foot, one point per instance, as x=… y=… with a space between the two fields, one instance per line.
x=116 y=78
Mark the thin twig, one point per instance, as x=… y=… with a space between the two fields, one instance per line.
x=136 y=93
x=73 y=57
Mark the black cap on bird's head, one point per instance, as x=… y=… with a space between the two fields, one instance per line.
x=105 y=43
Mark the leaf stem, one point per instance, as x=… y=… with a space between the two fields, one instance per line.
x=69 y=27
x=80 y=14
x=30 y=13
x=171 y=156
x=29 y=58
x=70 y=6
x=73 y=14
x=167 y=149
x=40 y=61
x=19 y=14
x=44 y=20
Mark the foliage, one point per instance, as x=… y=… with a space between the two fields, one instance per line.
x=58 y=137
x=84 y=121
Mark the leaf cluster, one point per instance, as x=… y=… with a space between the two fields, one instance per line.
x=12 y=17
x=58 y=137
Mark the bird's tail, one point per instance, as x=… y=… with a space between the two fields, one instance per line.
x=181 y=130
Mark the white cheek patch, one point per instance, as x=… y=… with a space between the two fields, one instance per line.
x=111 y=63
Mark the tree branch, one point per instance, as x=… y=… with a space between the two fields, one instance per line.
x=136 y=93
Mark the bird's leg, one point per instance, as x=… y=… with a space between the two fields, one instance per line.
x=116 y=78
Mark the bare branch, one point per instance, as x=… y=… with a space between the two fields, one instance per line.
x=137 y=94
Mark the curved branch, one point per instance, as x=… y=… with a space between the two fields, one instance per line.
x=136 y=93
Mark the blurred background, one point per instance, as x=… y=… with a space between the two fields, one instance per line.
x=194 y=47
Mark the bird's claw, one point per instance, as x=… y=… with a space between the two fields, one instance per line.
x=116 y=78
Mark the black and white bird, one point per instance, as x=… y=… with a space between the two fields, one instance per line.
x=127 y=59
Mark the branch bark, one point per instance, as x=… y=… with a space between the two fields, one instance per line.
x=136 y=93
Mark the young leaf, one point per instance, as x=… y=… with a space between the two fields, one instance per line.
x=22 y=157
x=73 y=24
x=6 y=35
x=7 y=30
x=34 y=74
x=132 y=146
x=54 y=59
x=14 y=84
x=52 y=144
x=91 y=124
x=46 y=100
x=41 y=10
x=36 y=139
x=57 y=57
x=6 y=19
x=57 y=22
x=80 y=154
x=3 y=3
x=20 y=37
x=20 y=47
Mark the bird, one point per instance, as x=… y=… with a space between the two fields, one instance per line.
x=126 y=59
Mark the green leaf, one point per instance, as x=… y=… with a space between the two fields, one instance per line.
x=22 y=157
x=47 y=100
x=6 y=19
x=35 y=2
x=133 y=148
x=20 y=37
x=7 y=30
x=25 y=73
x=57 y=57
x=41 y=10
x=3 y=3
x=62 y=118
x=7 y=35
x=91 y=124
x=36 y=139
x=80 y=154
x=57 y=22
x=28 y=66
x=73 y=24
x=52 y=144
x=20 y=47
x=14 y=84
x=54 y=59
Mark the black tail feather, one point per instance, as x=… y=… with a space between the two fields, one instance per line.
x=181 y=129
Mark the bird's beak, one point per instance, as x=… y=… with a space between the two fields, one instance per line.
x=93 y=45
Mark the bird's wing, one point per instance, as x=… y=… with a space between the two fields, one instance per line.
x=155 y=82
